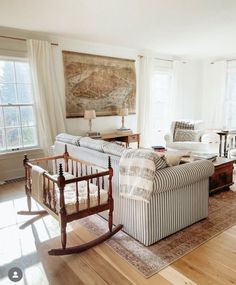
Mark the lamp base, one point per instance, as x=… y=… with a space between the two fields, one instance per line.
x=124 y=131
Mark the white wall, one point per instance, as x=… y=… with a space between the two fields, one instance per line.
x=188 y=102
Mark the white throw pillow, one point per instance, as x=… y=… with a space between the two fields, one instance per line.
x=173 y=159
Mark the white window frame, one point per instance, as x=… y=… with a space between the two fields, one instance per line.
x=20 y=148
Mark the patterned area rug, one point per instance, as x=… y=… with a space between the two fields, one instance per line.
x=150 y=260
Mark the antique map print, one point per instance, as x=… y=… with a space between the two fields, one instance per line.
x=104 y=84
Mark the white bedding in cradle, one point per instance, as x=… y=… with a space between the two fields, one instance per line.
x=69 y=192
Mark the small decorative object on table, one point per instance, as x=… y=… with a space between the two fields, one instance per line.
x=208 y=156
x=89 y=115
x=159 y=148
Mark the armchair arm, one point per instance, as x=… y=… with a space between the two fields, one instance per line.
x=176 y=177
x=168 y=137
x=210 y=137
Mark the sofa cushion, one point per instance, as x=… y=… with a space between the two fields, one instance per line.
x=67 y=138
x=187 y=135
x=113 y=148
x=160 y=161
x=173 y=159
x=92 y=143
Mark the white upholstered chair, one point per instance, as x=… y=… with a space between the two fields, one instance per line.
x=191 y=136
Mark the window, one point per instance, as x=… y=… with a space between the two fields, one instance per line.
x=18 y=128
x=160 y=102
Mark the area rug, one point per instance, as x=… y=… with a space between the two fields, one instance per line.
x=150 y=260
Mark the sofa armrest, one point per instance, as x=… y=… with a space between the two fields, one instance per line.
x=176 y=177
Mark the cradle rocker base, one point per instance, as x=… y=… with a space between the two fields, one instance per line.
x=32 y=213
x=85 y=246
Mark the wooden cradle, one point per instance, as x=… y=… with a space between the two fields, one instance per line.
x=77 y=173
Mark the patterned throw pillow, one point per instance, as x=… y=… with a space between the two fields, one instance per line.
x=182 y=135
x=182 y=125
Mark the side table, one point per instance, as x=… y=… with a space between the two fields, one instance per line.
x=223 y=176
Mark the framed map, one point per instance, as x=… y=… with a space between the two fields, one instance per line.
x=104 y=84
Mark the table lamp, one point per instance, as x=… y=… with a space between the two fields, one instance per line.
x=89 y=115
x=123 y=112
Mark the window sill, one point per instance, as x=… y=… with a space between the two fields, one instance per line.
x=20 y=153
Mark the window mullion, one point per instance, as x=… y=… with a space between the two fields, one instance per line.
x=4 y=128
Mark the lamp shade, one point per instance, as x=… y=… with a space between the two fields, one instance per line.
x=89 y=114
x=123 y=112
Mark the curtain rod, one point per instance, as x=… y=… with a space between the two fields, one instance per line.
x=170 y=60
x=157 y=58
x=22 y=39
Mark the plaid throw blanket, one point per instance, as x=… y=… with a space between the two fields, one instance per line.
x=137 y=171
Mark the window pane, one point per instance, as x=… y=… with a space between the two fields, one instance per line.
x=2 y=140
x=22 y=72
x=24 y=93
x=13 y=138
x=6 y=71
x=29 y=136
x=11 y=116
x=8 y=94
x=17 y=121
x=27 y=117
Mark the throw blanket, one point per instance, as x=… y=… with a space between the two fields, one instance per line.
x=37 y=183
x=137 y=170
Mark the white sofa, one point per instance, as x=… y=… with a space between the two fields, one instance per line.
x=208 y=143
x=179 y=199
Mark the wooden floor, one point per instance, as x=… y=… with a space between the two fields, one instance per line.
x=212 y=263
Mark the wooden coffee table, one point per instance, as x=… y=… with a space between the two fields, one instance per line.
x=222 y=178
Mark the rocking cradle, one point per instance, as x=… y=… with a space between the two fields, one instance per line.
x=75 y=193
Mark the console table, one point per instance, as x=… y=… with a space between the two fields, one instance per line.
x=126 y=138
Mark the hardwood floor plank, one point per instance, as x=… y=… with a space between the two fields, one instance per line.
x=215 y=270
x=193 y=273
x=172 y=275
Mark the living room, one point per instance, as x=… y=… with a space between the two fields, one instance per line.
x=176 y=62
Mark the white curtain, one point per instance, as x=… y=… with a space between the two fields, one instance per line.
x=47 y=97
x=214 y=90
x=144 y=110
x=177 y=89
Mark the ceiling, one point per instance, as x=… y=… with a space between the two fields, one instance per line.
x=176 y=27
